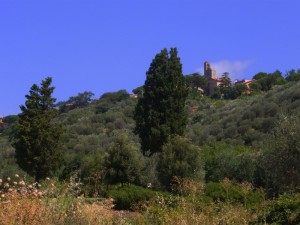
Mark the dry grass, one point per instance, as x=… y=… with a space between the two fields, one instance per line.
x=187 y=213
x=30 y=204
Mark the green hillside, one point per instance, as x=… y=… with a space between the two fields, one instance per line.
x=246 y=120
x=93 y=129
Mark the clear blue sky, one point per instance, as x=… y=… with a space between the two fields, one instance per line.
x=108 y=45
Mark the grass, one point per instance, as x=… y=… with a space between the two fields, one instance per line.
x=54 y=203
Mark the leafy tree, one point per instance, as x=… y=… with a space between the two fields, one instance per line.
x=282 y=156
x=259 y=75
x=124 y=162
x=79 y=101
x=293 y=75
x=234 y=91
x=37 y=138
x=217 y=93
x=195 y=81
x=82 y=99
x=229 y=161
x=226 y=81
x=160 y=111
x=255 y=86
x=267 y=81
x=114 y=97
x=180 y=158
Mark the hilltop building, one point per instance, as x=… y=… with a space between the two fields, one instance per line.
x=212 y=80
x=209 y=73
x=245 y=82
x=1 y=120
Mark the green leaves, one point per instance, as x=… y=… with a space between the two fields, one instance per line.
x=282 y=156
x=180 y=158
x=160 y=111
x=37 y=138
x=124 y=162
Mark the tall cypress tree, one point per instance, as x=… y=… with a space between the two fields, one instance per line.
x=160 y=111
x=37 y=138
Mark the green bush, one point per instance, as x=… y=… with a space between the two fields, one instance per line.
x=125 y=197
x=284 y=210
x=242 y=193
x=221 y=192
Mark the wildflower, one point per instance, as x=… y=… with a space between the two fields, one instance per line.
x=15 y=183
x=8 y=179
x=30 y=186
x=17 y=175
x=47 y=178
x=10 y=189
x=3 y=196
x=6 y=185
x=0 y=181
x=22 y=183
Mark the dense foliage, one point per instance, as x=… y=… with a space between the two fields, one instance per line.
x=37 y=139
x=244 y=121
x=180 y=158
x=160 y=110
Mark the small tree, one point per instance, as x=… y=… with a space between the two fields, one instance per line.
x=225 y=80
x=282 y=156
x=37 y=137
x=123 y=163
x=195 y=81
x=79 y=101
x=160 y=111
x=180 y=158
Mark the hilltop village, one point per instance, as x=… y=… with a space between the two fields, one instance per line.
x=213 y=81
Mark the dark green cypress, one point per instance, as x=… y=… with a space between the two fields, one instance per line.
x=160 y=111
x=37 y=140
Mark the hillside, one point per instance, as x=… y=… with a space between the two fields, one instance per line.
x=246 y=120
x=243 y=121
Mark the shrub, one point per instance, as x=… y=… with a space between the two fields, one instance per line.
x=180 y=158
x=227 y=191
x=127 y=196
x=284 y=210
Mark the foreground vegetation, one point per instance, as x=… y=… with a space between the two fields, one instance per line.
x=190 y=202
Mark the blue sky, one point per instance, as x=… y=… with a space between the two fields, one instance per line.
x=108 y=45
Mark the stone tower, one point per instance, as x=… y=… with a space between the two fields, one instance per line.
x=209 y=73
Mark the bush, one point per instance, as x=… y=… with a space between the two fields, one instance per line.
x=284 y=210
x=220 y=192
x=127 y=196
x=230 y=192
x=180 y=158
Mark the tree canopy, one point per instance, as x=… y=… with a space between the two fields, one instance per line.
x=37 y=138
x=160 y=111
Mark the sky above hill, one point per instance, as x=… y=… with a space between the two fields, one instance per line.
x=108 y=45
